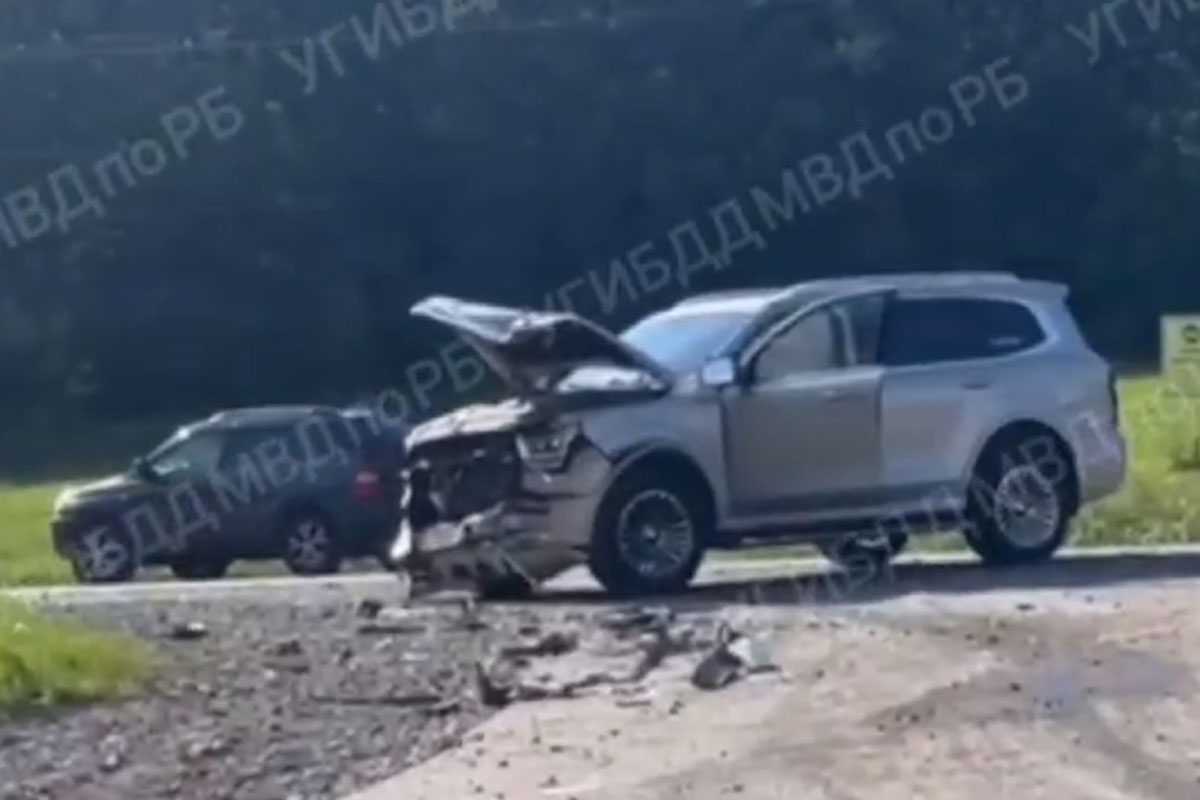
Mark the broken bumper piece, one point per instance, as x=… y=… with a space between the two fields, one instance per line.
x=539 y=532
x=484 y=547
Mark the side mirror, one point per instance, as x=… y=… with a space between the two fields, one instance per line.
x=718 y=373
x=141 y=468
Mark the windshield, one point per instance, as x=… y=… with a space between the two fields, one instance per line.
x=683 y=342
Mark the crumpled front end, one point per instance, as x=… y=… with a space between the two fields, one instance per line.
x=481 y=507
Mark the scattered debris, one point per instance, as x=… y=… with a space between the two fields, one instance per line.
x=555 y=643
x=411 y=700
x=197 y=749
x=113 y=752
x=368 y=608
x=491 y=693
x=286 y=648
x=635 y=618
x=632 y=703
x=754 y=654
x=392 y=625
x=188 y=631
x=450 y=705
x=732 y=657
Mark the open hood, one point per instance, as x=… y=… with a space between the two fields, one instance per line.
x=533 y=350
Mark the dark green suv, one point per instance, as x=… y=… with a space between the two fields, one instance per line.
x=311 y=485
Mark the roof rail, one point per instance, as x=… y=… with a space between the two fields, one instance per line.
x=729 y=294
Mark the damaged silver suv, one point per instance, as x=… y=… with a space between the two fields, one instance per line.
x=845 y=413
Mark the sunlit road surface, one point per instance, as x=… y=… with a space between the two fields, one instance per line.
x=1072 y=680
x=728 y=577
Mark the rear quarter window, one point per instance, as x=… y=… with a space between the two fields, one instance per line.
x=933 y=330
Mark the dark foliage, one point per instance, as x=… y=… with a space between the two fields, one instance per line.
x=535 y=143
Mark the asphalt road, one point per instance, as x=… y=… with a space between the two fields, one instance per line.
x=723 y=579
x=1072 y=680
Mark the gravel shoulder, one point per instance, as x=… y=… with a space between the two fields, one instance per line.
x=259 y=699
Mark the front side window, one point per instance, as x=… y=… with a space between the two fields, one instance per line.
x=810 y=344
x=932 y=330
x=842 y=334
x=186 y=453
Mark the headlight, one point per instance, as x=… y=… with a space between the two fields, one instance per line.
x=66 y=498
x=547 y=449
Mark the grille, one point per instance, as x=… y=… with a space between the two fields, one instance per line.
x=454 y=478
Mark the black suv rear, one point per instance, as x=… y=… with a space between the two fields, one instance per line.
x=310 y=485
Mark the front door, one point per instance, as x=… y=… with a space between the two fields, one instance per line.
x=802 y=431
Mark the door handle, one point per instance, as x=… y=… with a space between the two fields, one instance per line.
x=977 y=385
x=833 y=395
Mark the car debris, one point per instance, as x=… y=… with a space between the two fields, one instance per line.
x=408 y=700
x=637 y=618
x=504 y=679
x=392 y=628
x=555 y=643
x=733 y=656
x=368 y=608
x=188 y=631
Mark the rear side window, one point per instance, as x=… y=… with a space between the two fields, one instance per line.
x=926 y=331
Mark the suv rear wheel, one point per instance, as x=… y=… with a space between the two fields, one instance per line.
x=310 y=544
x=649 y=534
x=105 y=554
x=1016 y=512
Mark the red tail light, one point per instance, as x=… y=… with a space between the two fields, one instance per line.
x=368 y=486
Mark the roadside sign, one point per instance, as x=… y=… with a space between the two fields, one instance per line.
x=1180 y=344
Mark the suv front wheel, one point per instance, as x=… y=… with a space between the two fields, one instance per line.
x=1016 y=512
x=649 y=535
x=105 y=554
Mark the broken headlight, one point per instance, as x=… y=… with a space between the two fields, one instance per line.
x=547 y=449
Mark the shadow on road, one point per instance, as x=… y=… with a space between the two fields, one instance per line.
x=816 y=585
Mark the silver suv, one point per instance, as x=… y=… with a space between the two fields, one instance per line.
x=845 y=413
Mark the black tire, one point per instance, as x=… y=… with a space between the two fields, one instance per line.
x=643 y=492
x=1003 y=533
x=106 y=553
x=200 y=569
x=858 y=552
x=309 y=544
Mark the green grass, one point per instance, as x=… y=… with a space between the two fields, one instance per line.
x=46 y=662
x=26 y=556
x=1160 y=503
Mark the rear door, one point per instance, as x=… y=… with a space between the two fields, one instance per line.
x=802 y=433
x=249 y=499
x=947 y=360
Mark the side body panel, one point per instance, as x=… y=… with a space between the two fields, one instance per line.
x=804 y=442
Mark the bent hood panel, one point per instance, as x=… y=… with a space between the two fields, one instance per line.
x=532 y=349
x=475 y=419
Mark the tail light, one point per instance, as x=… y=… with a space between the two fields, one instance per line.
x=368 y=486
x=1114 y=397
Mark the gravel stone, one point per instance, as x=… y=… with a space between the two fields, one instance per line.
x=260 y=699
